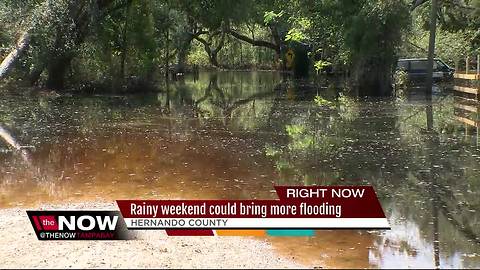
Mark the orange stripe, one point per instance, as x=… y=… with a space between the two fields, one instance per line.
x=240 y=232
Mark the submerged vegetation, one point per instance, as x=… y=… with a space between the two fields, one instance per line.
x=131 y=44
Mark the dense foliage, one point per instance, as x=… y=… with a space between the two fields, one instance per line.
x=128 y=44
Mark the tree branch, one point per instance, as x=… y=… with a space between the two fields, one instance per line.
x=259 y=43
x=205 y=43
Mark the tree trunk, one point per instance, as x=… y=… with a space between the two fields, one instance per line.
x=212 y=52
x=59 y=63
x=213 y=56
x=14 y=55
x=82 y=20
x=431 y=48
x=372 y=77
x=167 y=54
x=57 y=70
x=181 y=60
x=125 y=42
x=35 y=74
x=184 y=47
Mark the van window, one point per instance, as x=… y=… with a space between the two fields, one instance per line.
x=418 y=65
x=438 y=65
x=422 y=65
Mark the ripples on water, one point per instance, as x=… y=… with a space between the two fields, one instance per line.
x=235 y=135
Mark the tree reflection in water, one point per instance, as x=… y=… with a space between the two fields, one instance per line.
x=234 y=135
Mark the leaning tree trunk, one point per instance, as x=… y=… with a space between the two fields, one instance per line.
x=103 y=7
x=15 y=54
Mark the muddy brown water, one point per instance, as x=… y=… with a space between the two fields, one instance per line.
x=233 y=135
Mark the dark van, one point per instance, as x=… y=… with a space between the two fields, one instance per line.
x=416 y=69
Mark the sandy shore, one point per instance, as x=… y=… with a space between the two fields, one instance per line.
x=19 y=248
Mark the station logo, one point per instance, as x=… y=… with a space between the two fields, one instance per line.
x=78 y=225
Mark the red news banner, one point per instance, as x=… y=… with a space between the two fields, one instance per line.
x=298 y=207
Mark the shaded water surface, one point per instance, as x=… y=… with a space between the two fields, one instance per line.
x=234 y=135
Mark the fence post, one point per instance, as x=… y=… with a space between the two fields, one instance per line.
x=467 y=66
x=478 y=64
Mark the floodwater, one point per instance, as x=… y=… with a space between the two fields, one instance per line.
x=233 y=135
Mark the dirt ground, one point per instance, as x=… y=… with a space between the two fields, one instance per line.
x=19 y=248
